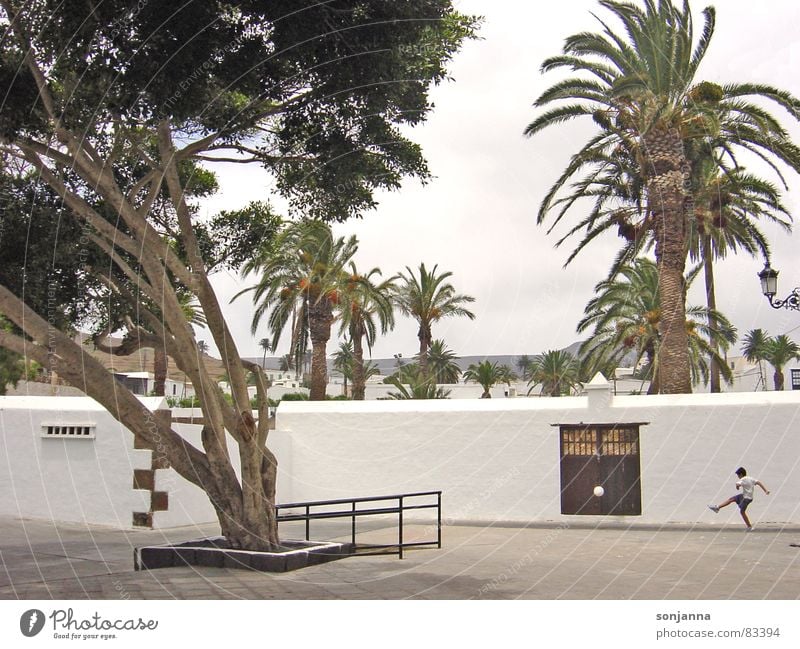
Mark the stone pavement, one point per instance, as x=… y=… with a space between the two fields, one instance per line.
x=45 y=560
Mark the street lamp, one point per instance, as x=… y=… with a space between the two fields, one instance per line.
x=769 y=287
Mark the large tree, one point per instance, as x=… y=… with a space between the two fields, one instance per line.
x=105 y=102
x=641 y=92
x=365 y=307
x=755 y=349
x=442 y=365
x=779 y=351
x=557 y=371
x=624 y=318
x=427 y=298
x=488 y=374
x=302 y=280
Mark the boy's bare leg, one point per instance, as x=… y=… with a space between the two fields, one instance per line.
x=726 y=503
x=745 y=518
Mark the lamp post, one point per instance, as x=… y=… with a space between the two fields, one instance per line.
x=769 y=287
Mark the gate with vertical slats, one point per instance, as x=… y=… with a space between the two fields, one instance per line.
x=605 y=455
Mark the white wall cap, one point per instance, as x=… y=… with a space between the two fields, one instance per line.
x=516 y=404
x=598 y=382
x=788 y=397
x=70 y=403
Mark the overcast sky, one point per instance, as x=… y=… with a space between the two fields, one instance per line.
x=476 y=218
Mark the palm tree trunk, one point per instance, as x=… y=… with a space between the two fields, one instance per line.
x=359 y=382
x=666 y=202
x=320 y=316
x=424 y=336
x=778 y=378
x=655 y=385
x=711 y=303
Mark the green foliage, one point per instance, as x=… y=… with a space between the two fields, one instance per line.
x=343 y=360
x=639 y=87
x=488 y=374
x=12 y=369
x=234 y=237
x=44 y=253
x=294 y=396
x=557 y=371
x=524 y=365
x=442 y=366
x=624 y=317
x=345 y=78
x=411 y=383
x=778 y=352
x=427 y=298
x=183 y=402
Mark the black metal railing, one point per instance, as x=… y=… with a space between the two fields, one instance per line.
x=398 y=504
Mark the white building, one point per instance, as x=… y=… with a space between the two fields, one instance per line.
x=143 y=384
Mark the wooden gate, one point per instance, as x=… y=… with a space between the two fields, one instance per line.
x=604 y=455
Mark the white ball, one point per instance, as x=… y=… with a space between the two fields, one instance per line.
x=599 y=491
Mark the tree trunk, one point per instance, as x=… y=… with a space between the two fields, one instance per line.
x=654 y=387
x=424 y=335
x=778 y=378
x=359 y=381
x=711 y=303
x=160 y=361
x=320 y=314
x=257 y=529
x=666 y=202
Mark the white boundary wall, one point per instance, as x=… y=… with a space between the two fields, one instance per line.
x=90 y=479
x=86 y=480
x=498 y=459
x=494 y=459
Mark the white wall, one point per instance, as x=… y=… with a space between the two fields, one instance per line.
x=498 y=459
x=87 y=480
x=188 y=504
x=494 y=459
x=91 y=480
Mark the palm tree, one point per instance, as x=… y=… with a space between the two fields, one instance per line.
x=366 y=307
x=266 y=345
x=625 y=316
x=755 y=351
x=411 y=383
x=428 y=298
x=557 y=371
x=524 y=364
x=642 y=94
x=488 y=374
x=343 y=362
x=442 y=366
x=726 y=205
x=779 y=351
x=286 y=363
x=302 y=278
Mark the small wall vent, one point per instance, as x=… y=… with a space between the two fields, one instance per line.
x=68 y=431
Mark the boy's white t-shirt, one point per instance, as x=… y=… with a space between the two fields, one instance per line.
x=748 y=485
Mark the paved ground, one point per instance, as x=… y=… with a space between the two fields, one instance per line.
x=42 y=560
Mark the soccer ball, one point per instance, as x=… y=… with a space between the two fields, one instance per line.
x=599 y=491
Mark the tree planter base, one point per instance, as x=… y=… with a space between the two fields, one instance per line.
x=213 y=553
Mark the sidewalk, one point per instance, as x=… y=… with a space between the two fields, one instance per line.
x=44 y=560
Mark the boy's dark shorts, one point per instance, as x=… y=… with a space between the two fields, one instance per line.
x=743 y=502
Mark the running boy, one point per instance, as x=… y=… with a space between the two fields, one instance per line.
x=747 y=484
